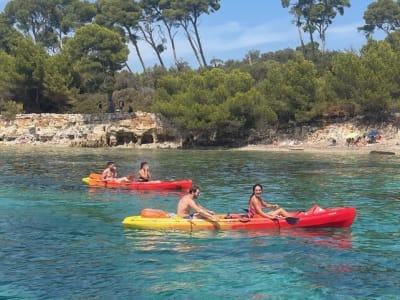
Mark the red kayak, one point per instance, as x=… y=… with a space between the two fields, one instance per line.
x=315 y=217
x=95 y=180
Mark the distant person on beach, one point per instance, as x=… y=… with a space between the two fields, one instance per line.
x=188 y=203
x=110 y=174
x=256 y=205
x=144 y=172
x=121 y=105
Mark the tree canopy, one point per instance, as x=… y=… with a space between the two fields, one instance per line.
x=71 y=56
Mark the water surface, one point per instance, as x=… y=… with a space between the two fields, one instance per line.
x=62 y=240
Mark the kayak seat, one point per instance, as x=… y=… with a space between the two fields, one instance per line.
x=154 y=213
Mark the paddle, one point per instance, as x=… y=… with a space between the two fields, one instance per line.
x=289 y=220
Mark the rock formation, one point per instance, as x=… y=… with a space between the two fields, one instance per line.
x=139 y=129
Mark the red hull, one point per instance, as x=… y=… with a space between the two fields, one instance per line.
x=94 y=180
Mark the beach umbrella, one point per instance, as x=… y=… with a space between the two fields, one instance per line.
x=373 y=133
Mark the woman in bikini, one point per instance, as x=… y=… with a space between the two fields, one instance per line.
x=256 y=204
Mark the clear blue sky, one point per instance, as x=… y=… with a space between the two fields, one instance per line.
x=240 y=26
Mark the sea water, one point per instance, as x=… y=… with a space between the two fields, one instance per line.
x=60 y=239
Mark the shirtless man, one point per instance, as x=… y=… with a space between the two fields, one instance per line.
x=110 y=174
x=188 y=203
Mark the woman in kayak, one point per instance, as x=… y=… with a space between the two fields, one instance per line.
x=110 y=174
x=256 y=204
x=188 y=203
x=144 y=172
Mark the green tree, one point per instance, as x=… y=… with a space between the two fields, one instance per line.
x=323 y=14
x=8 y=75
x=41 y=84
x=341 y=85
x=291 y=90
x=162 y=11
x=212 y=101
x=383 y=15
x=48 y=21
x=97 y=53
x=315 y=15
x=30 y=63
x=123 y=14
x=188 y=13
x=301 y=10
x=379 y=78
x=8 y=34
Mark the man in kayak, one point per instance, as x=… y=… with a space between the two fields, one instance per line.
x=110 y=174
x=188 y=203
x=256 y=204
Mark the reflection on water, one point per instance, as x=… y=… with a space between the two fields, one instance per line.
x=148 y=240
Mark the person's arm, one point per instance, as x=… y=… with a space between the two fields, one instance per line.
x=268 y=205
x=259 y=211
x=205 y=209
x=144 y=173
x=208 y=214
x=104 y=175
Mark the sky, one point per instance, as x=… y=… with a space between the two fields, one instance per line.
x=240 y=26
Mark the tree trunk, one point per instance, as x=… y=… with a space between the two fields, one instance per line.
x=303 y=48
x=200 y=48
x=133 y=39
x=187 y=33
x=172 y=41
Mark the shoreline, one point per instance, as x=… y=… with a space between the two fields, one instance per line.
x=378 y=148
x=385 y=147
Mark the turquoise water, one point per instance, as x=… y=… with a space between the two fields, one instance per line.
x=62 y=240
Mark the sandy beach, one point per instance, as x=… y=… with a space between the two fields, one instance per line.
x=388 y=147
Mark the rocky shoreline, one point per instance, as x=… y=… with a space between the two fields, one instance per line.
x=149 y=131
x=136 y=130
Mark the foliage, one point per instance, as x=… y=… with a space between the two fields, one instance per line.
x=315 y=16
x=290 y=89
x=383 y=15
x=7 y=75
x=96 y=54
x=69 y=56
x=49 y=21
x=212 y=100
x=9 y=109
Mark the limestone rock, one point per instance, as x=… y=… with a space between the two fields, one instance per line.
x=138 y=129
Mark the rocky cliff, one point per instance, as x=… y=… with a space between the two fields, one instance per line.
x=139 y=129
x=147 y=130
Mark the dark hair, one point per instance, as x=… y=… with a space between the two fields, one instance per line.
x=193 y=189
x=254 y=188
x=110 y=163
x=142 y=164
x=257 y=185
